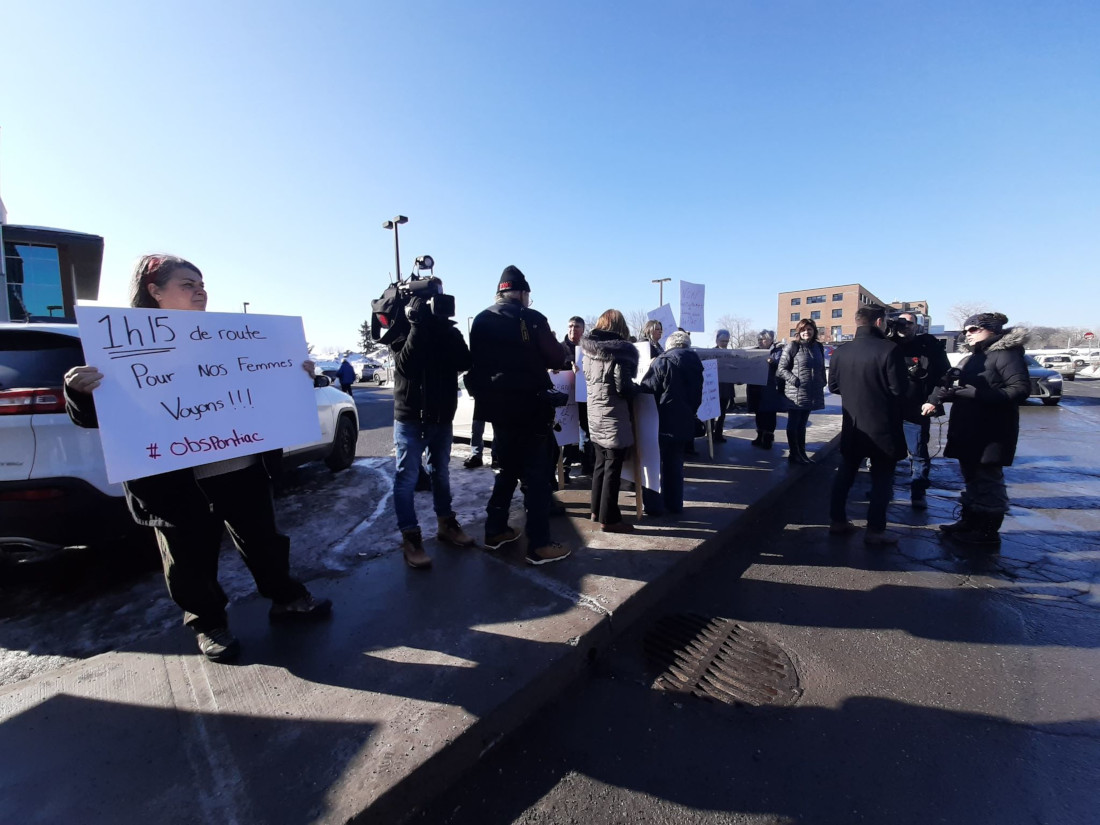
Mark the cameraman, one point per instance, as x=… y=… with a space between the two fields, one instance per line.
x=512 y=348
x=926 y=361
x=429 y=353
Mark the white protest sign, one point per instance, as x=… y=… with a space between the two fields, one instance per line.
x=663 y=314
x=567 y=418
x=182 y=388
x=581 y=389
x=647 y=446
x=644 y=359
x=710 y=407
x=691 y=306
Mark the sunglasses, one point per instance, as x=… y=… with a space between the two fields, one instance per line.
x=971 y=330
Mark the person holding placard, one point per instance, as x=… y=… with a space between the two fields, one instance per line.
x=190 y=509
x=802 y=369
x=765 y=400
x=653 y=331
x=676 y=380
x=610 y=367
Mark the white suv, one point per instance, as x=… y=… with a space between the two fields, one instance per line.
x=54 y=492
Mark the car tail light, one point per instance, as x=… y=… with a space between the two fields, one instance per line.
x=30 y=402
x=39 y=494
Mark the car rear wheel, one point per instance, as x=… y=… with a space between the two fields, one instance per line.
x=343 y=445
x=1050 y=402
x=379 y=379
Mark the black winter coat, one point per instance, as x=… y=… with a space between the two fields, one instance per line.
x=868 y=375
x=768 y=397
x=512 y=348
x=985 y=414
x=676 y=380
x=169 y=499
x=925 y=356
x=426 y=367
x=802 y=369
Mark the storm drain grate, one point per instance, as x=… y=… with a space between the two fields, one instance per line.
x=718 y=659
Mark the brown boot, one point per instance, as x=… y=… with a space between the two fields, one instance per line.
x=451 y=532
x=412 y=545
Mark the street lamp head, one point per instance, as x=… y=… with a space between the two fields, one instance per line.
x=397 y=220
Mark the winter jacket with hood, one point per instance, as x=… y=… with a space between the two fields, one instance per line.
x=985 y=414
x=610 y=367
x=802 y=369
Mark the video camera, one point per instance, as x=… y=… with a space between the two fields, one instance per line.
x=388 y=312
x=895 y=324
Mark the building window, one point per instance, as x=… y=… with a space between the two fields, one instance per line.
x=795 y=316
x=838 y=313
x=816 y=299
x=796 y=302
x=836 y=332
x=34 y=281
x=793 y=333
x=838 y=296
x=815 y=315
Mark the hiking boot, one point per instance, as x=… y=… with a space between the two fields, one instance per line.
x=218 y=644
x=304 y=608
x=412 y=545
x=982 y=534
x=842 y=528
x=473 y=462
x=618 y=527
x=965 y=522
x=452 y=533
x=548 y=553
x=879 y=538
x=498 y=540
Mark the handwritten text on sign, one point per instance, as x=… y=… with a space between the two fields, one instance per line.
x=182 y=389
x=710 y=407
x=691 y=306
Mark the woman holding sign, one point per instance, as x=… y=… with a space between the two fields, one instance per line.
x=189 y=509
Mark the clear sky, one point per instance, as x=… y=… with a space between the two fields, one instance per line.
x=943 y=150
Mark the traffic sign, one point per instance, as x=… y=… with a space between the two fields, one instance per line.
x=1089 y=335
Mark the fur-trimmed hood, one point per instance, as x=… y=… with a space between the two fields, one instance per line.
x=1014 y=337
x=601 y=345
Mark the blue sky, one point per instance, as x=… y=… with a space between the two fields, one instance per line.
x=944 y=151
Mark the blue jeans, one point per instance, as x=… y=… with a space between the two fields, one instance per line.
x=916 y=439
x=411 y=439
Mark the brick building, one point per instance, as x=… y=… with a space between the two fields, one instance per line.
x=832 y=308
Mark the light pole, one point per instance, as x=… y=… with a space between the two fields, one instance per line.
x=661 y=286
x=245 y=307
x=400 y=219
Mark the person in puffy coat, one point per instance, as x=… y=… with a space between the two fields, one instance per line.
x=985 y=423
x=676 y=380
x=801 y=367
x=766 y=400
x=610 y=367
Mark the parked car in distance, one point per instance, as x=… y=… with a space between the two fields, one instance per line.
x=1062 y=364
x=1046 y=384
x=54 y=492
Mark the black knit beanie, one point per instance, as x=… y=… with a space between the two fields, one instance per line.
x=993 y=321
x=512 y=278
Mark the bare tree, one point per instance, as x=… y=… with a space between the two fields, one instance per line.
x=742 y=331
x=636 y=319
x=961 y=311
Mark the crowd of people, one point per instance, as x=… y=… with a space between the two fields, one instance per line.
x=890 y=388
